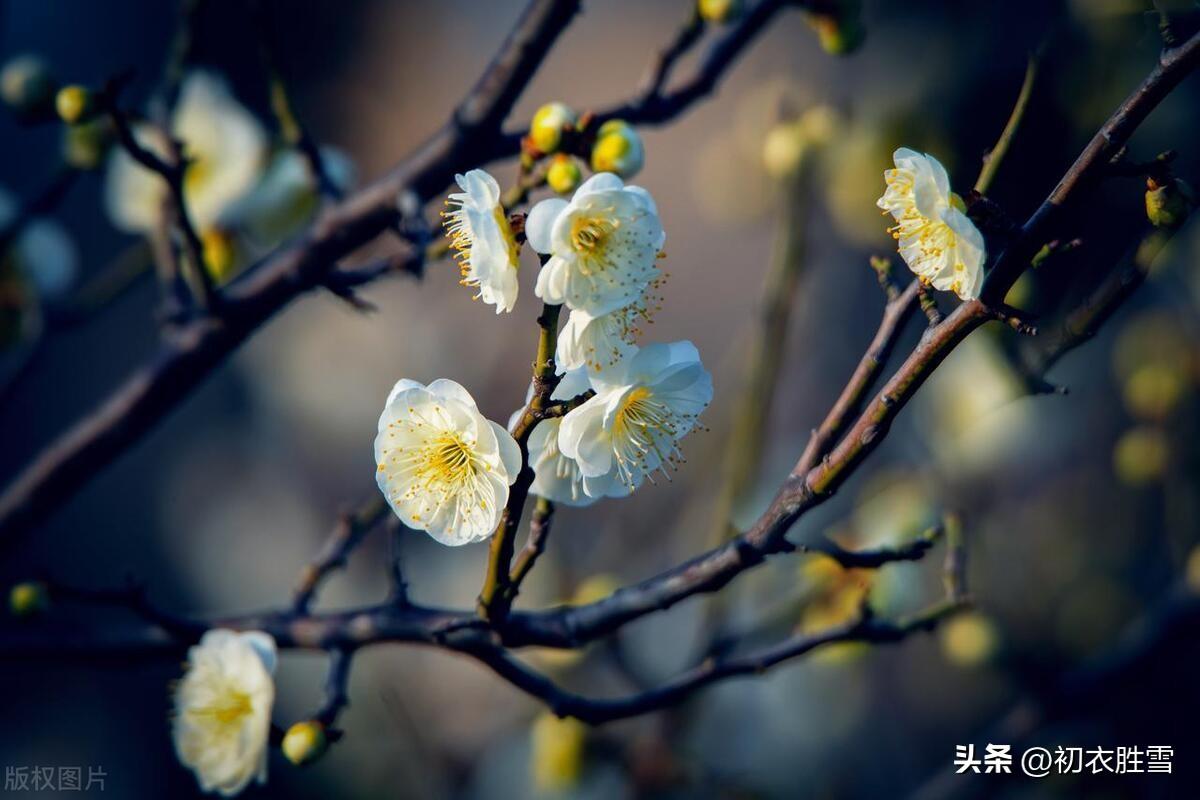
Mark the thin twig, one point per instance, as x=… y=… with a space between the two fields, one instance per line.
x=994 y=158
x=352 y=527
x=539 y=532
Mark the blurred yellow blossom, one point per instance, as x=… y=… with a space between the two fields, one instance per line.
x=969 y=639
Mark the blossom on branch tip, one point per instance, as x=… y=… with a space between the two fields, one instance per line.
x=222 y=717
x=223 y=143
x=443 y=467
x=486 y=248
x=603 y=245
x=936 y=239
x=643 y=406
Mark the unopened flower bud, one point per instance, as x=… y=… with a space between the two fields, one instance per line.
x=546 y=129
x=305 y=742
x=564 y=175
x=1167 y=202
x=840 y=32
x=618 y=149
x=27 y=87
x=719 y=11
x=75 y=104
x=28 y=599
x=85 y=146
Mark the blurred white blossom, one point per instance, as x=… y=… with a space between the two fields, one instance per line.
x=223 y=709
x=225 y=146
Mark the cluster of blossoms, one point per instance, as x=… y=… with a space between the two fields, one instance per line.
x=445 y=469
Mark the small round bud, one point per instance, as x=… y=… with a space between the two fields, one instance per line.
x=28 y=599
x=85 y=146
x=1167 y=202
x=1141 y=455
x=618 y=149
x=546 y=129
x=74 y=104
x=719 y=11
x=305 y=742
x=220 y=254
x=27 y=87
x=564 y=175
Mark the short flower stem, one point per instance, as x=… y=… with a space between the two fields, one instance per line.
x=495 y=599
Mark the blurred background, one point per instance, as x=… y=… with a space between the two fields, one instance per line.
x=1081 y=511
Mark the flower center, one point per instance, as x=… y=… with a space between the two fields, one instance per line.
x=227 y=709
x=590 y=234
x=646 y=426
x=448 y=460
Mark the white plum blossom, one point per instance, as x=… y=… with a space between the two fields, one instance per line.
x=222 y=716
x=443 y=467
x=487 y=250
x=603 y=245
x=598 y=342
x=225 y=146
x=643 y=406
x=936 y=239
x=556 y=477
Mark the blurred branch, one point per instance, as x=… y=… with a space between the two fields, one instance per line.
x=293 y=131
x=172 y=170
x=1082 y=322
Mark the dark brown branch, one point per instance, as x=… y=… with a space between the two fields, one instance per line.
x=539 y=532
x=349 y=532
x=875 y=558
x=899 y=308
x=337 y=681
